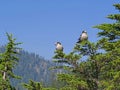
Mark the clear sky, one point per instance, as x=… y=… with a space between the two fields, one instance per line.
x=40 y=23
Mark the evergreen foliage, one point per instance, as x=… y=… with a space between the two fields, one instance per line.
x=110 y=42
x=32 y=85
x=33 y=67
x=94 y=66
x=89 y=66
x=8 y=60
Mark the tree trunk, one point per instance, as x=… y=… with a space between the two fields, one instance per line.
x=5 y=74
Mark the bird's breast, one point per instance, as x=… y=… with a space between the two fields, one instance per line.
x=59 y=47
x=84 y=36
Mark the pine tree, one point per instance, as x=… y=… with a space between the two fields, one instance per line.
x=82 y=65
x=8 y=60
x=93 y=66
x=110 y=43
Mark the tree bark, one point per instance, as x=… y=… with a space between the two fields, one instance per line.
x=5 y=74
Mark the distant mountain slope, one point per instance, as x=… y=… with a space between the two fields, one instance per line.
x=32 y=66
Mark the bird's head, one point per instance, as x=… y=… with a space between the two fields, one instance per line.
x=57 y=43
x=84 y=31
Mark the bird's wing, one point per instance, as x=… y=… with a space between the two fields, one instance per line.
x=79 y=39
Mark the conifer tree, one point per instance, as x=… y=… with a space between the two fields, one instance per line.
x=110 y=43
x=8 y=60
x=82 y=67
x=93 y=66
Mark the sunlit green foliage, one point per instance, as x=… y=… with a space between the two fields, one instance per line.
x=94 y=66
x=8 y=60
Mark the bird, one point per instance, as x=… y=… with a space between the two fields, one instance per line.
x=59 y=46
x=83 y=36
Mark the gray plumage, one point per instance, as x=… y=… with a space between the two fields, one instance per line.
x=83 y=37
x=59 y=46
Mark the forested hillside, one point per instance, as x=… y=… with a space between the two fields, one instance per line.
x=34 y=67
x=89 y=66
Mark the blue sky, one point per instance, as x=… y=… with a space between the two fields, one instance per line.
x=40 y=23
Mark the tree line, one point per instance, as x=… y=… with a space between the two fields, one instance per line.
x=90 y=66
